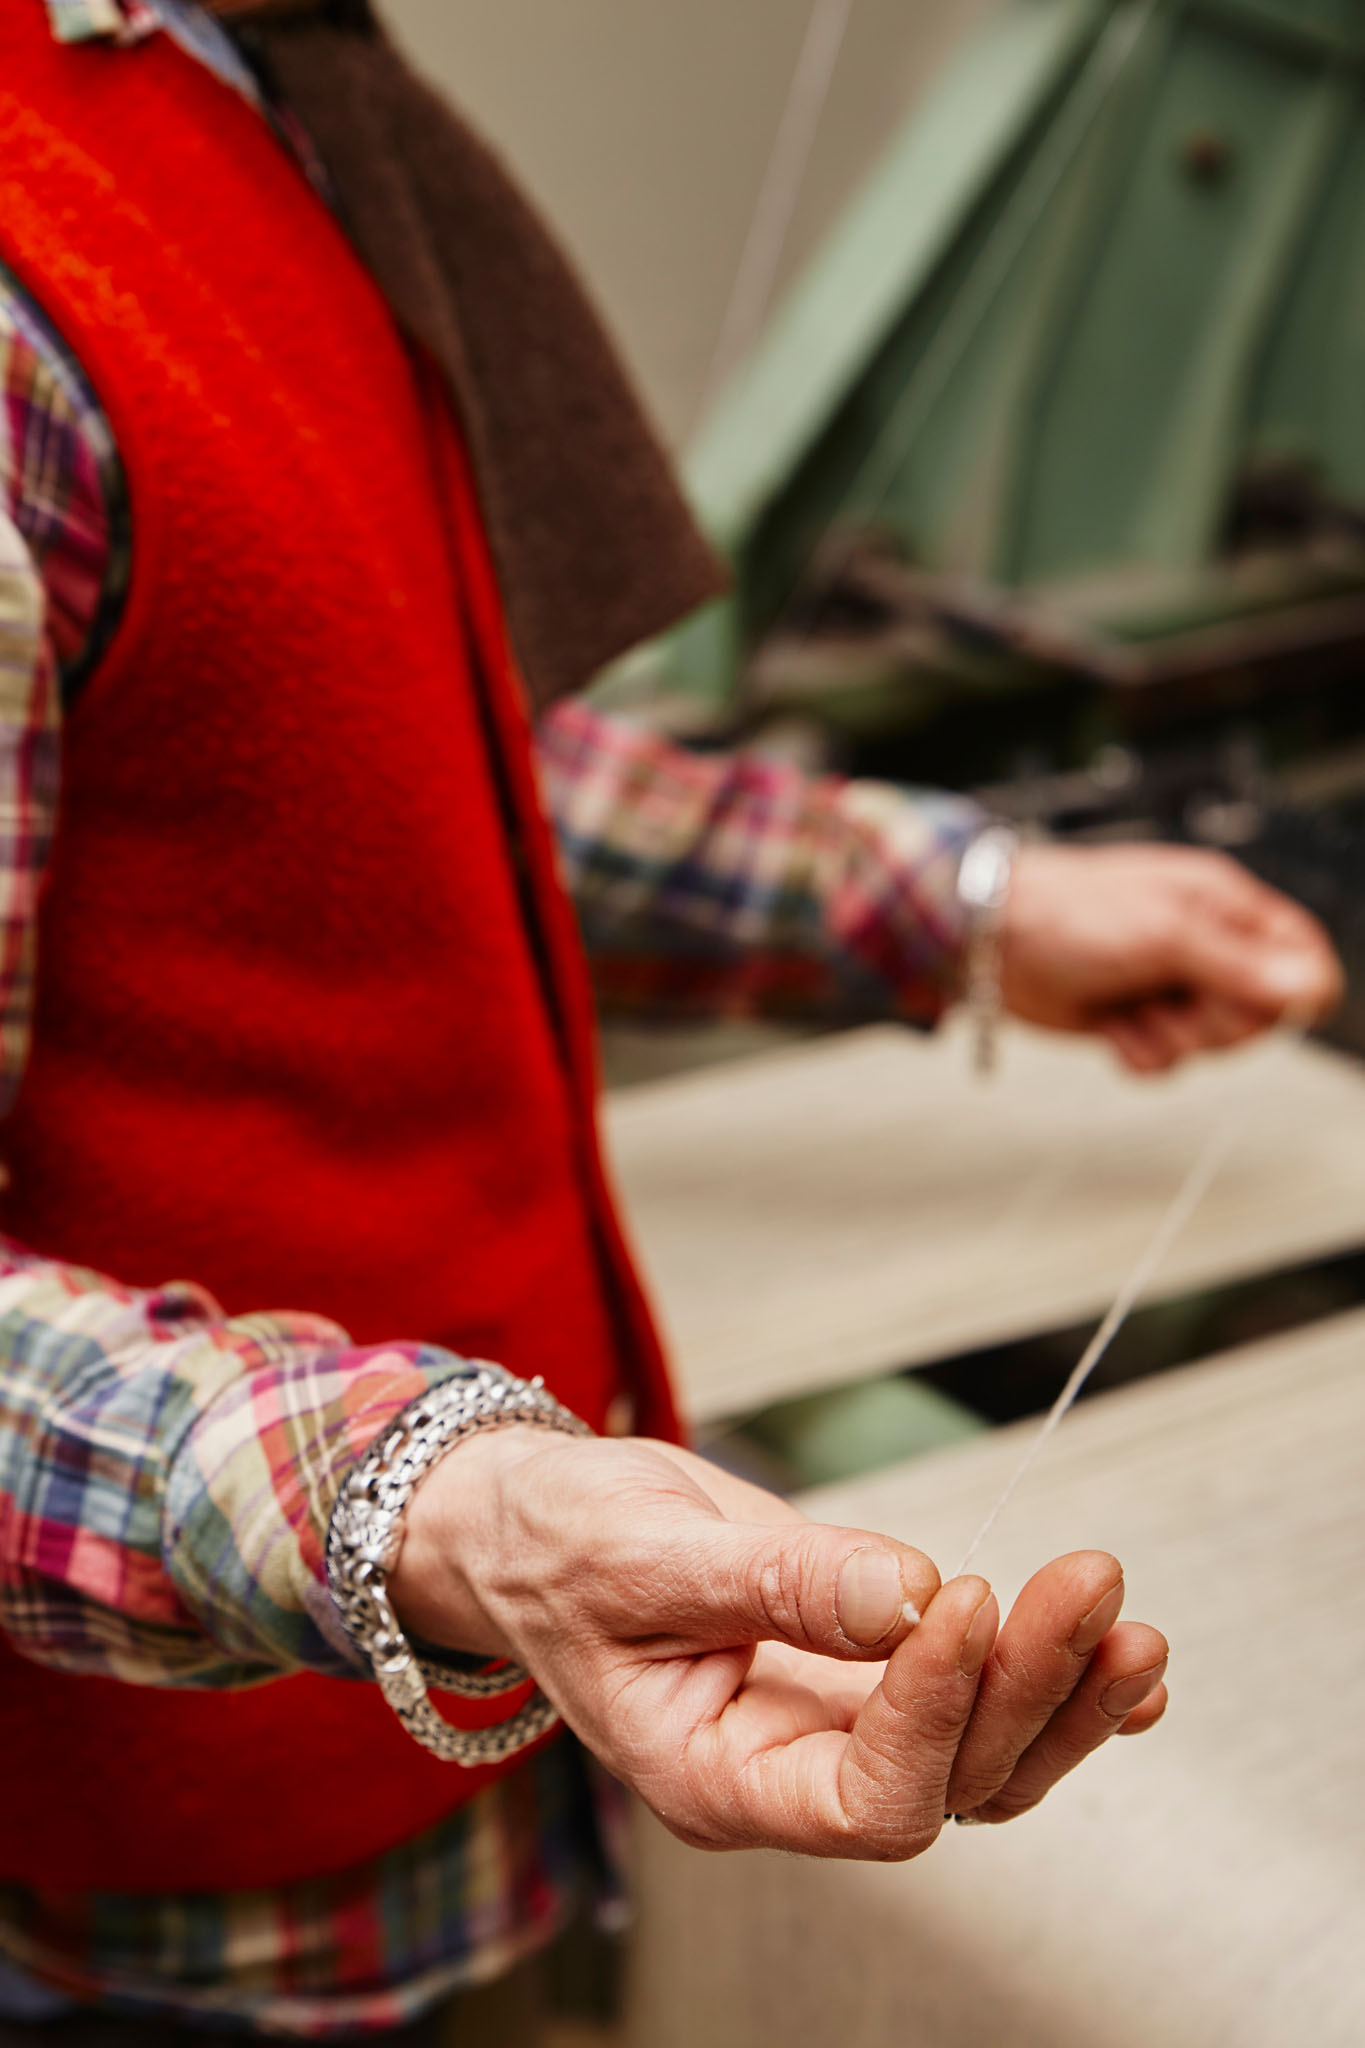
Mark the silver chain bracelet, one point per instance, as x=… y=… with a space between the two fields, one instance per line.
x=366 y=1535
x=983 y=888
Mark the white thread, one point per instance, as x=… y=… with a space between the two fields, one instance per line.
x=778 y=193
x=1190 y=1194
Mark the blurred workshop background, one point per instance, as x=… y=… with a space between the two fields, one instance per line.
x=1056 y=400
x=644 y=128
x=1038 y=445
x=1043 y=476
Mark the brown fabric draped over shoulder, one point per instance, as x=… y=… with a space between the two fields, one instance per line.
x=595 y=547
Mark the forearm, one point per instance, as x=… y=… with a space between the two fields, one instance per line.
x=732 y=884
x=167 y=1475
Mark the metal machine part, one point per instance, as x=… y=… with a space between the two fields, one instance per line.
x=1074 y=389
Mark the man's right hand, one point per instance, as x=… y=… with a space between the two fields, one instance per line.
x=1167 y=951
x=754 y=1676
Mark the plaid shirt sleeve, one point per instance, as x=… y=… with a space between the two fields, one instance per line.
x=29 y=724
x=731 y=884
x=167 y=1475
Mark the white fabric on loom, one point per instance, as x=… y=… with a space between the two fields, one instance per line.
x=1202 y=1887
x=824 y=1213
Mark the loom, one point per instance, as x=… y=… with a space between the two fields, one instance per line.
x=1048 y=477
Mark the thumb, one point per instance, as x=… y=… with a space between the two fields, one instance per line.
x=838 y=1592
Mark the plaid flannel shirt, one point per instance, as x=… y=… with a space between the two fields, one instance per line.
x=166 y=1473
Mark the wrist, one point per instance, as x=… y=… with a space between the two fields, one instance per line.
x=365 y=1541
x=460 y=1522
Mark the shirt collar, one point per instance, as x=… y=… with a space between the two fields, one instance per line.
x=102 y=21
x=125 y=22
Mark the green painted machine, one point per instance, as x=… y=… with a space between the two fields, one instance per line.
x=1073 y=399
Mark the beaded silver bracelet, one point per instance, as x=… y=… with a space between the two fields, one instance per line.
x=366 y=1534
x=983 y=888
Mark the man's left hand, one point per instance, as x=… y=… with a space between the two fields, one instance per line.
x=1165 y=950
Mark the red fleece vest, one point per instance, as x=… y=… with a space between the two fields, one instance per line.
x=312 y=1027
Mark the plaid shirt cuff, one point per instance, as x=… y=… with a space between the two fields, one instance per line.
x=167 y=1475
x=734 y=885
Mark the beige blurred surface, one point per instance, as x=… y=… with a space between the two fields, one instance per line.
x=1203 y=1887
x=644 y=126
x=820 y=1214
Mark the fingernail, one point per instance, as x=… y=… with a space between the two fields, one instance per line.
x=870 y=1598
x=1286 y=975
x=1126 y=1695
x=1098 y=1622
x=980 y=1636
x=967 y=1820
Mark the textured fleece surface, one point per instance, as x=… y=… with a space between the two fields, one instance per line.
x=595 y=547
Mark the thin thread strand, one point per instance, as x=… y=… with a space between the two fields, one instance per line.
x=1190 y=1194
x=779 y=192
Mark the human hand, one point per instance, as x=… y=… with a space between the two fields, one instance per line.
x=1164 y=950
x=754 y=1676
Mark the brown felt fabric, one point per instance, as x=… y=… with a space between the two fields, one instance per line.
x=595 y=547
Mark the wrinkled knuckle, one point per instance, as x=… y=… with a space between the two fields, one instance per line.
x=894 y=1837
x=892 y=1826
x=889 y=1823
x=930 y=1725
x=972 y=1789
x=941 y=1718
x=1012 y=1664
x=778 y=1588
